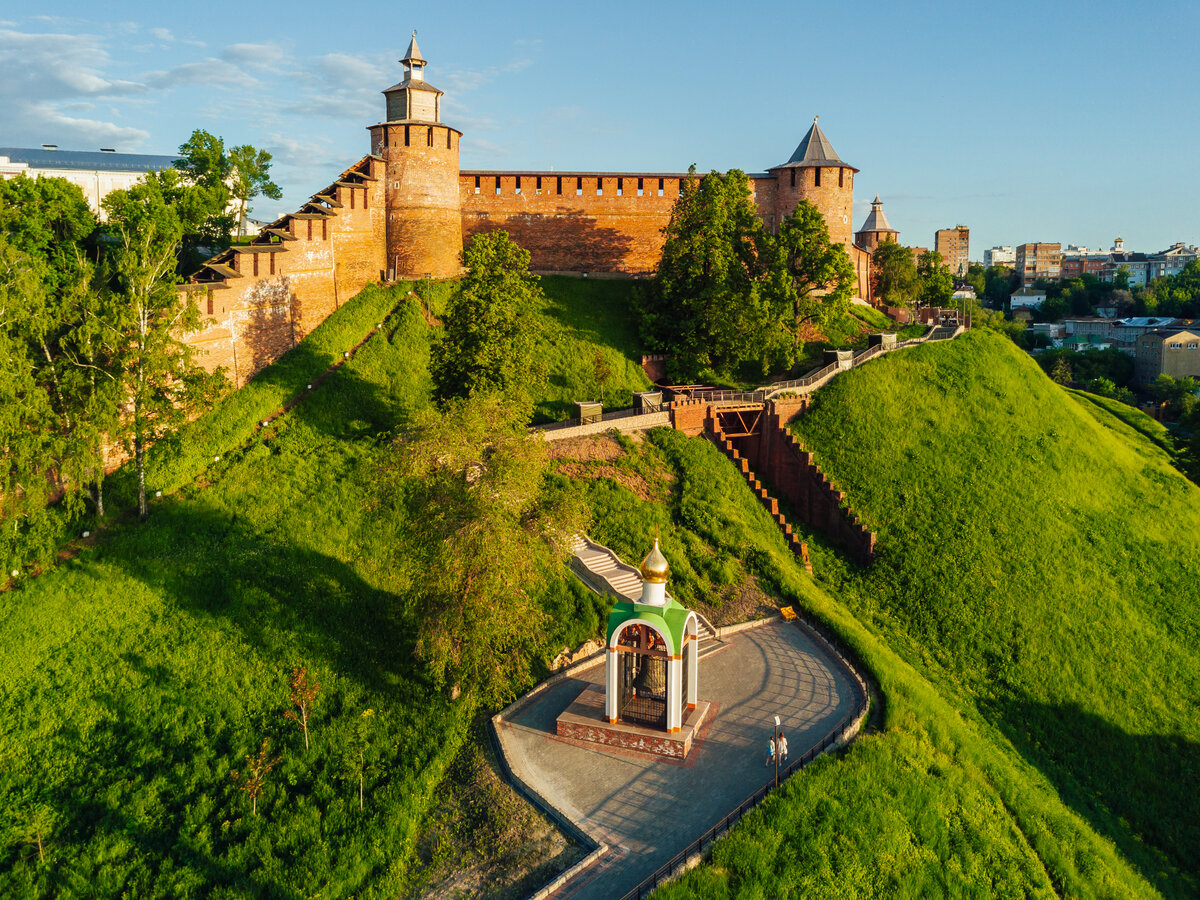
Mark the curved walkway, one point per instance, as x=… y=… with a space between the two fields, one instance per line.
x=647 y=809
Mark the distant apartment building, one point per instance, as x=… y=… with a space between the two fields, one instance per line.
x=96 y=173
x=1172 y=261
x=1077 y=261
x=1174 y=352
x=1039 y=260
x=1000 y=256
x=954 y=245
x=1124 y=334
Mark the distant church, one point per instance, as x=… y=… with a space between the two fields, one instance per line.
x=404 y=211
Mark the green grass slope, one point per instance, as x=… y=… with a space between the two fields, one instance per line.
x=141 y=674
x=1039 y=561
x=936 y=804
x=584 y=319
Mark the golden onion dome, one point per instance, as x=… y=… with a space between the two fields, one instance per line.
x=654 y=567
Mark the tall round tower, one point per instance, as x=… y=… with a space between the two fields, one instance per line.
x=424 y=213
x=817 y=174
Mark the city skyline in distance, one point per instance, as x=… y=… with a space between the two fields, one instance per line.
x=1025 y=124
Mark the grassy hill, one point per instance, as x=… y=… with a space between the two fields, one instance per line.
x=1039 y=566
x=140 y=675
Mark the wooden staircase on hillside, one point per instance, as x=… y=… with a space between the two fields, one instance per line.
x=605 y=573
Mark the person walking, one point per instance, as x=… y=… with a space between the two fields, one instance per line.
x=782 y=743
x=770 y=750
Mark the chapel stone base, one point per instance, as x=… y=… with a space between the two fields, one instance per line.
x=584 y=720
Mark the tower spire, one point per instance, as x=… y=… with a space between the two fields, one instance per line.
x=414 y=64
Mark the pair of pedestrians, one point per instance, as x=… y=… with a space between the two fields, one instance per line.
x=777 y=743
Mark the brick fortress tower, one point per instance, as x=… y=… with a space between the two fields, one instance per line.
x=424 y=213
x=876 y=230
x=817 y=174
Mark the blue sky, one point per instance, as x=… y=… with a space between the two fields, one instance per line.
x=1064 y=122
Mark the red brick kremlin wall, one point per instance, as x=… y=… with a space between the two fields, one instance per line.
x=262 y=299
x=424 y=215
x=598 y=222
x=574 y=221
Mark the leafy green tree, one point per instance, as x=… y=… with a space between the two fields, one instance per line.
x=937 y=284
x=48 y=221
x=822 y=276
x=1177 y=396
x=603 y=372
x=1061 y=373
x=201 y=198
x=360 y=753
x=491 y=335
x=720 y=296
x=895 y=274
x=477 y=522
x=1102 y=386
x=250 y=176
x=977 y=277
x=302 y=694
x=1001 y=282
x=1052 y=309
x=161 y=383
x=1173 y=295
x=27 y=434
x=34 y=826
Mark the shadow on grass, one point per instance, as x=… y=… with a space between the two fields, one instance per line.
x=283 y=598
x=1139 y=790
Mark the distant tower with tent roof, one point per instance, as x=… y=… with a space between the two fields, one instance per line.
x=876 y=230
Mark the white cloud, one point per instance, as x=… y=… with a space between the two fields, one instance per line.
x=211 y=72
x=467 y=80
x=163 y=34
x=347 y=71
x=53 y=66
x=67 y=129
x=49 y=79
x=254 y=56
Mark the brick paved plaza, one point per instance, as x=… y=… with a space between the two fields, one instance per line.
x=647 y=809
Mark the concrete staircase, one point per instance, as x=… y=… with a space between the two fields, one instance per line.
x=605 y=573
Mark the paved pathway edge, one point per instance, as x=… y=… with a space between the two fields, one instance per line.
x=840 y=736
